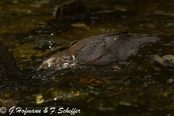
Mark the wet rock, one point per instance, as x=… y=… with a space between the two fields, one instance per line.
x=165 y=61
x=8 y=65
x=71 y=9
x=99 y=50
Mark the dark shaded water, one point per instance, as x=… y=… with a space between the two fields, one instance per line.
x=140 y=88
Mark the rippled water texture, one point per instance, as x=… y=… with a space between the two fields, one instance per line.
x=137 y=86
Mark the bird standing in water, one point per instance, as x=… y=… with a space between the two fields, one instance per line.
x=100 y=49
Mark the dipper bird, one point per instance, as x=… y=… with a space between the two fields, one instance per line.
x=100 y=49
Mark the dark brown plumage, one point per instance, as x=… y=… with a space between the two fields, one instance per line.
x=100 y=50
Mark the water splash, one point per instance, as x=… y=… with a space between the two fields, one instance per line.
x=61 y=62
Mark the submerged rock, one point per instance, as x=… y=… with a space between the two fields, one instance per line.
x=71 y=9
x=100 y=50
